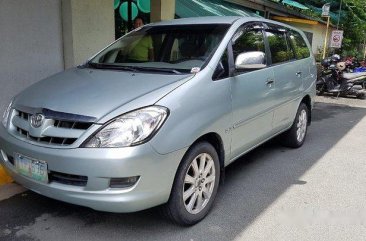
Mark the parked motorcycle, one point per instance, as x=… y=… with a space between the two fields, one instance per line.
x=333 y=79
x=360 y=69
x=351 y=64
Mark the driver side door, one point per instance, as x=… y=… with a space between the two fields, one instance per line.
x=252 y=93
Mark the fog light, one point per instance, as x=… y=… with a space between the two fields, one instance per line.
x=123 y=182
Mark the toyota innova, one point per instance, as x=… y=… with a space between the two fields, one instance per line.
x=154 y=118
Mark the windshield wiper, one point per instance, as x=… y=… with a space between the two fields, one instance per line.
x=110 y=66
x=132 y=68
x=165 y=70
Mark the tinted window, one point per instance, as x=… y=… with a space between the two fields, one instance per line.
x=279 y=47
x=252 y=40
x=168 y=47
x=222 y=68
x=298 y=43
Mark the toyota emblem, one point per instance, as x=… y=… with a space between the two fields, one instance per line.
x=36 y=120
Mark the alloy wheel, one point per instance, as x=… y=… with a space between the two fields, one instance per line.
x=199 y=183
x=301 y=126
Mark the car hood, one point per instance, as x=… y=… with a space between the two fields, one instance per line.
x=95 y=93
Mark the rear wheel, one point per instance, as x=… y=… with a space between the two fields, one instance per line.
x=195 y=185
x=295 y=136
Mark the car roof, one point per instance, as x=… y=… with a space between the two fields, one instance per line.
x=218 y=20
x=200 y=20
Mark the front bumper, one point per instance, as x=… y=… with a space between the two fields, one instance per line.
x=153 y=188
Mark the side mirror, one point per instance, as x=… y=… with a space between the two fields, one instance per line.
x=250 y=60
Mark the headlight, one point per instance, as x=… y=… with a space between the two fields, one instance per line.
x=6 y=114
x=129 y=129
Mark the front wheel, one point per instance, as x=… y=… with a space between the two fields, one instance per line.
x=295 y=136
x=320 y=89
x=195 y=185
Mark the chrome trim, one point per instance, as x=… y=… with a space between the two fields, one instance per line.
x=51 y=114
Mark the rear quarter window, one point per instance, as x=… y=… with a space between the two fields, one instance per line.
x=301 y=49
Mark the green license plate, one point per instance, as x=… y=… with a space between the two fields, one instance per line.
x=32 y=168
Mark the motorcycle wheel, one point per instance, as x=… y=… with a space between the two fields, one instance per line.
x=319 y=89
x=361 y=96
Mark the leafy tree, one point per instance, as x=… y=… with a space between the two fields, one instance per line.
x=352 y=21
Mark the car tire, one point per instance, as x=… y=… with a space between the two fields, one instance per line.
x=295 y=136
x=195 y=185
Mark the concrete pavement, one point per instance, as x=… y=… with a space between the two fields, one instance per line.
x=316 y=192
x=8 y=190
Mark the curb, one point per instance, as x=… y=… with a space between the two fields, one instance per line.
x=10 y=189
x=4 y=178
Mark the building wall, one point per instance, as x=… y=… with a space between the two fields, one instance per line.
x=88 y=26
x=39 y=38
x=30 y=44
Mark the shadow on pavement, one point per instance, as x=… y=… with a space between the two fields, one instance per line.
x=252 y=184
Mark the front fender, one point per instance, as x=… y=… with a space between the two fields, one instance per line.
x=198 y=107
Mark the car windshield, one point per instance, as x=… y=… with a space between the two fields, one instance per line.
x=172 y=49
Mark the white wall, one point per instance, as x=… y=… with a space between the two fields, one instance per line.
x=162 y=10
x=39 y=38
x=30 y=44
x=88 y=26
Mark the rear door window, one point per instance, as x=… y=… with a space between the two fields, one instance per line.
x=279 y=46
x=301 y=49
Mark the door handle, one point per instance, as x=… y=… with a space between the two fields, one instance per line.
x=269 y=81
x=298 y=74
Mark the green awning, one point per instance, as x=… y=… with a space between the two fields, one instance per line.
x=197 y=8
x=294 y=4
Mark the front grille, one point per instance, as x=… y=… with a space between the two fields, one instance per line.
x=47 y=139
x=23 y=115
x=60 y=131
x=71 y=125
x=68 y=179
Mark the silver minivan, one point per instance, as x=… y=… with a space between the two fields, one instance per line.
x=156 y=116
